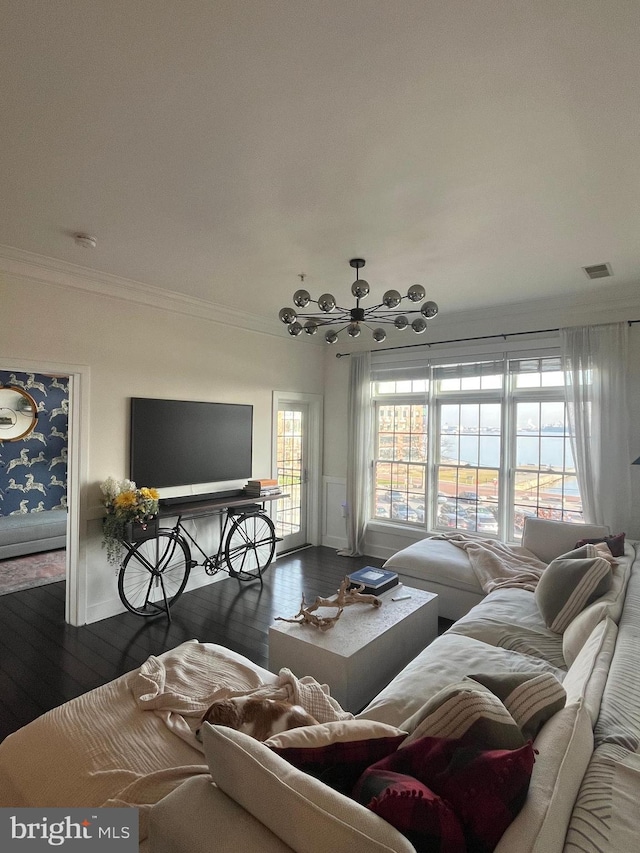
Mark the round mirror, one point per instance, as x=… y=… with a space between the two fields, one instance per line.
x=18 y=414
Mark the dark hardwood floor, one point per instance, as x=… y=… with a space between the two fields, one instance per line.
x=44 y=661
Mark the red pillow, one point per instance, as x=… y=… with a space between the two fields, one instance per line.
x=486 y=789
x=340 y=764
x=614 y=543
x=423 y=817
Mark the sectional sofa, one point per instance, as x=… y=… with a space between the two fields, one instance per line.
x=572 y=691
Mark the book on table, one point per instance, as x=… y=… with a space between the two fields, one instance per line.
x=375 y=581
x=257 y=488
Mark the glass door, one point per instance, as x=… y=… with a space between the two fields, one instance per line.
x=291 y=462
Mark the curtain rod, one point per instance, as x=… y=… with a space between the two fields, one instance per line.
x=504 y=336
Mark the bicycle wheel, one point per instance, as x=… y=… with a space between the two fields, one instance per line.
x=250 y=546
x=154 y=573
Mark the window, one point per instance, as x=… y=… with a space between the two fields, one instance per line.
x=400 y=466
x=476 y=447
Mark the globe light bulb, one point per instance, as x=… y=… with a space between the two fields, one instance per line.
x=331 y=337
x=379 y=335
x=311 y=327
x=295 y=329
x=301 y=298
x=287 y=316
x=353 y=330
x=419 y=325
x=429 y=309
x=401 y=322
x=327 y=302
x=416 y=293
x=391 y=299
x=360 y=288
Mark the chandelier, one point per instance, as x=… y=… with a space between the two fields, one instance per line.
x=352 y=319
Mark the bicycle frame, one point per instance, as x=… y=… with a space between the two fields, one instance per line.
x=212 y=563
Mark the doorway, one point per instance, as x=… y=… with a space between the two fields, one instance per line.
x=78 y=419
x=33 y=480
x=296 y=455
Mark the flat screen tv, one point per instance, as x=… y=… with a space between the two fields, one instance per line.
x=180 y=442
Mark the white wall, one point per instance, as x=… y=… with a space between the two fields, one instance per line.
x=126 y=350
x=612 y=305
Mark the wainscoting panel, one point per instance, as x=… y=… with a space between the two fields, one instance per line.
x=334 y=496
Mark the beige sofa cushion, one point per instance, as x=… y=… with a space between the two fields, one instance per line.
x=447 y=659
x=610 y=604
x=588 y=673
x=199 y=818
x=564 y=746
x=303 y=812
x=436 y=560
x=548 y=539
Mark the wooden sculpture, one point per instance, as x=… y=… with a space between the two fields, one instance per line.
x=344 y=597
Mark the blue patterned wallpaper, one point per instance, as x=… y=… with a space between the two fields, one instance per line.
x=33 y=470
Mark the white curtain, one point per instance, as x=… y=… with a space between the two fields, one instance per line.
x=595 y=362
x=359 y=454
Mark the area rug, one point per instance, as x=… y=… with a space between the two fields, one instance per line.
x=33 y=570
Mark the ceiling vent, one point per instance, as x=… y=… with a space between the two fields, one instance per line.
x=598 y=271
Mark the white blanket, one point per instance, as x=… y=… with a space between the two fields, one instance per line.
x=497 y=565
x=313 y=696
x=172 y=687
x=180 y=685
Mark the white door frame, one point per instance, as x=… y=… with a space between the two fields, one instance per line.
x=314 y=453
x=76 y=569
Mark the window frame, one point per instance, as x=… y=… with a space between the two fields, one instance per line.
x=508 y=396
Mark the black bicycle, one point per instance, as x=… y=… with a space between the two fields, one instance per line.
x=156 y=569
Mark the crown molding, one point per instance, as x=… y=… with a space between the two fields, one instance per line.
x=535 y=316
x=45 y=270
x=606 y=305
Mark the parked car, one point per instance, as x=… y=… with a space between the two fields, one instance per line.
x=450 y=519
x=486 y=523
x=399 y=510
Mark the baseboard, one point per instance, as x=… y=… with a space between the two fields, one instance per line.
x=334 y=542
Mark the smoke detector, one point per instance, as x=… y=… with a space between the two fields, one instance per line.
x=86 y=240
x=598 y=271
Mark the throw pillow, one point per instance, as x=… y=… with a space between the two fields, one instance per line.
x=569 y=583
x=614 y=543
x=485 y=788
x=416 y=811
x=340 y=764
x=470 y=711
x=302 y=812
x=323 y=734
x=530 y=699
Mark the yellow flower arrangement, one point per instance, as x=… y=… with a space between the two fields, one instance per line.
x=125 y=503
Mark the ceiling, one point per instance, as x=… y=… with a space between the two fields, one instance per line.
x=219 y=148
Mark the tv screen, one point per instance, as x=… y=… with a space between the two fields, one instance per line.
x=180 y=443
